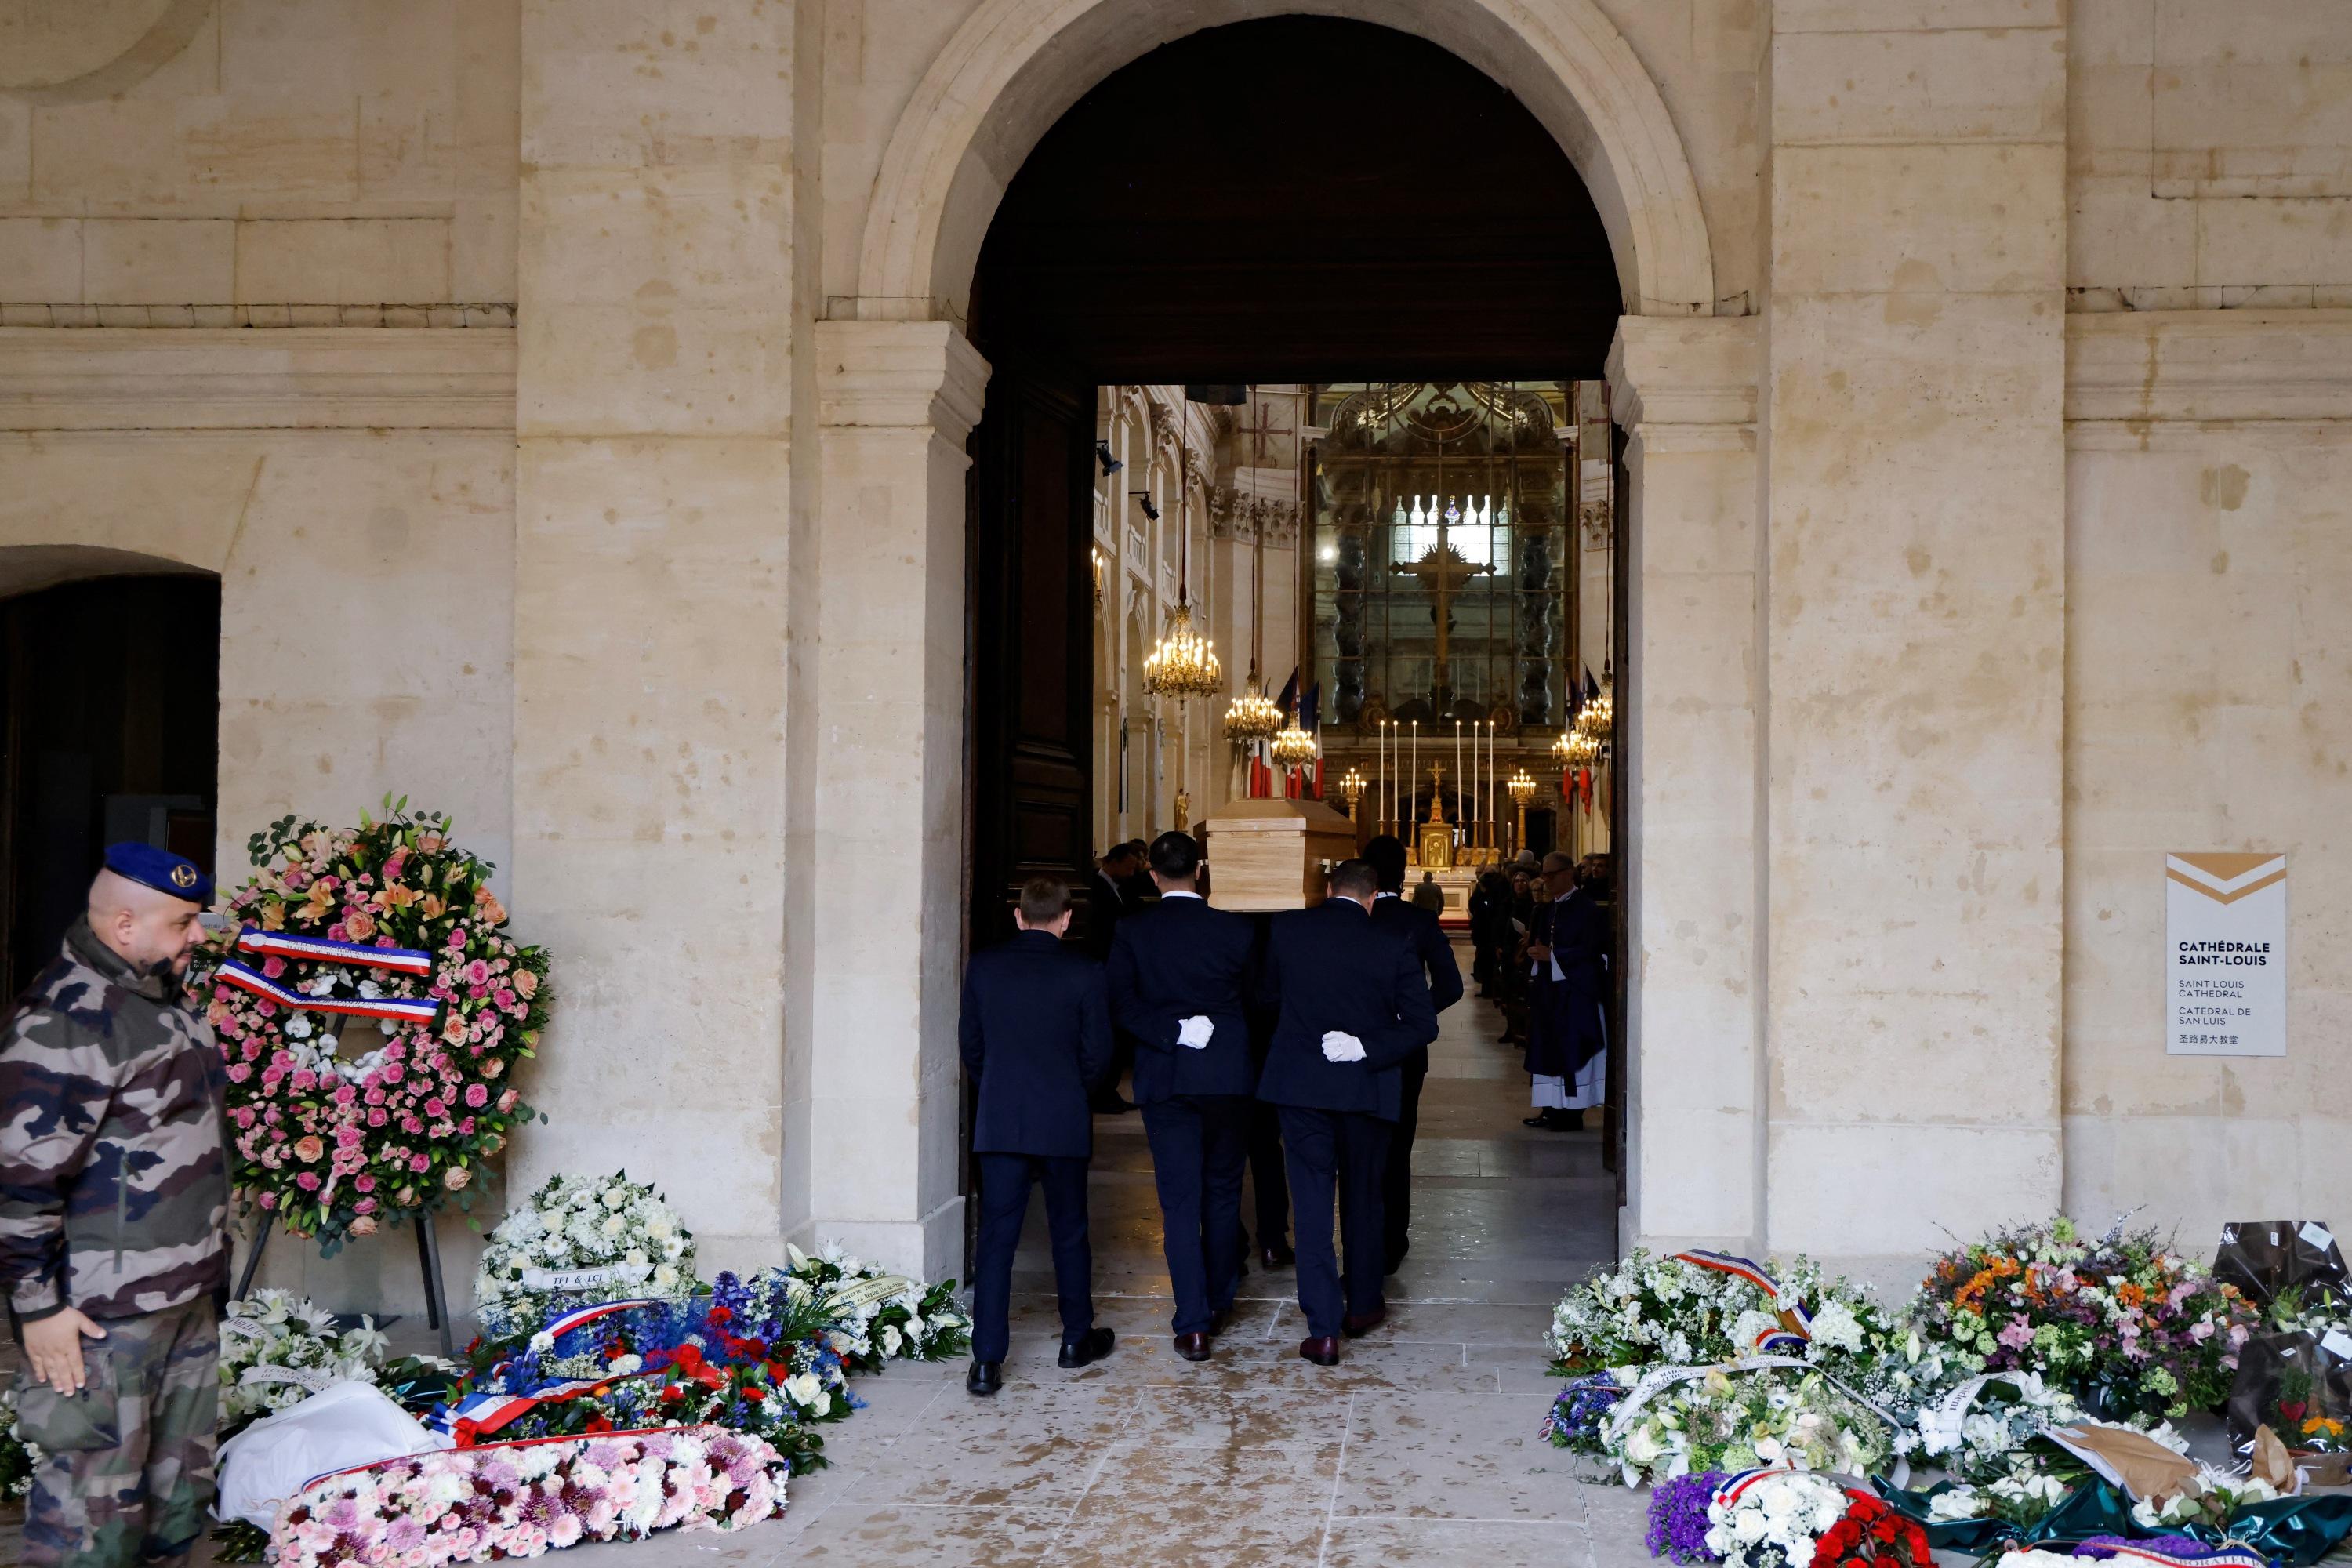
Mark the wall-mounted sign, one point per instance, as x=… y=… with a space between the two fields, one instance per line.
x=2225 y=955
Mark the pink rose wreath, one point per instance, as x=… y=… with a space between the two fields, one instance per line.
x=390 y=923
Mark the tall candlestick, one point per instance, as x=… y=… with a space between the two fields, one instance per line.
x=1457 y=771
x=1415 y=774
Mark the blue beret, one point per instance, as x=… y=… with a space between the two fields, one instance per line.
x=159 y=870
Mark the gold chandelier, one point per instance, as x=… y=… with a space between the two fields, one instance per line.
x=1253 y=716
x=1600 y=715
x=1577 y=748
x=1294 y=747
x=1185 y=663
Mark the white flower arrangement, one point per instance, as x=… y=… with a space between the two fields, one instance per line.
x=19 y=1458
x=276 y=1349
x=1727 y=1421
x=2211 y=1499
x=592 y=1239
x=1776 y=1521
x=1975 y=1431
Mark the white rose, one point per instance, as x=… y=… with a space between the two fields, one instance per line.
x=804 y=1389
x=616 y=1197
x=890 y=1340
x=1748 y=1526
x=665 y=1278
x=614 y=1224
x=1640 y=1447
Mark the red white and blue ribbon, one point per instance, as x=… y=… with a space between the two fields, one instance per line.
x=580 y=1318
x=490 y=1412
x=324 y=950
x=1734 y=1486
x=393 y=1009
x=1796 y=1329
x=2139 y=1552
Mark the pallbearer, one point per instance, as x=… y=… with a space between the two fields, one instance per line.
x=1352 y=1006
x=1035 y=1037
x=1436 y=954
x=1179 y=972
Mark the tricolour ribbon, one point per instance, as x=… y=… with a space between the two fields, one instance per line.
x=323 y=950
x=397 y=1009
x=1734 y=1487
x=1796 y=1328
x=481 y=1413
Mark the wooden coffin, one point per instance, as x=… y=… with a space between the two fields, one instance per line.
x=1274 y=853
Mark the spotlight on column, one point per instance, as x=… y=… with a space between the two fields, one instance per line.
x=1149 y=510
x=1110 y=465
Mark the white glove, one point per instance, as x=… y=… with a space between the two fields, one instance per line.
x=1339 y=1048
x=1195 y=1031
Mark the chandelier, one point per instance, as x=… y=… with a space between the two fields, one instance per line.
x=1600 y=715
x=1577 y=748
x=1294 y=747
x=1253 y=716
x=1185 y=663
x=1522 y=788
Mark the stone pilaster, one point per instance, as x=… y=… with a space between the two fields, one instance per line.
x=654 y=477
x=1913 y=625
x=885 y=944
x=1684 y=391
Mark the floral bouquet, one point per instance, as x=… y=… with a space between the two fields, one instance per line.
x=2021 y=1497
x=392 y=925
x=581 y=1238
x=1651 y=1310
x=2122 y=1322
x=1773 y=1519
x=19 y=1459
x=278 y=1349
x=1727 y=1421
x=1579 y=1417
x=521 y=1499
x=664 y=1363
x=1871 y=1535
x=1976 y=1431
x=2213 y=1499
x=877 y=1317
x=1678 y=1516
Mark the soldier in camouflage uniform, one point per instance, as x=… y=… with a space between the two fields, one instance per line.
x=113 y=1224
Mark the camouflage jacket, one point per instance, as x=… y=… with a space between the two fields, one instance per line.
x=113 y=1169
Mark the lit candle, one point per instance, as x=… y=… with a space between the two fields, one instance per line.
x=1414 y=795
x=1458 y=772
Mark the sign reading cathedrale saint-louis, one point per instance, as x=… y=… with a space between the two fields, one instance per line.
x=2225 y=955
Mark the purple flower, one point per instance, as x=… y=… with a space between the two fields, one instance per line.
x=1678 y=1516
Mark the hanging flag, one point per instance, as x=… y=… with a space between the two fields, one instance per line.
x=1290 y=692
x=1308 y=705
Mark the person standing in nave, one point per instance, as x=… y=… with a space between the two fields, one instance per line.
x=1442 y=975
x=1179 y=973
x=1111 y=897
x=1035 y=1037
x=114 y=1245
x=1351 y=1007
x=1514 y=928
x=1567 y=954
x=1490 y=905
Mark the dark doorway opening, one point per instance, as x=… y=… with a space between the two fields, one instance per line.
x=1295 y=199
x=1290 y=200
x=110 y=723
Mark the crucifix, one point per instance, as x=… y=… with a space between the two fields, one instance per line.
x=1444 y=572
x=1437 y=792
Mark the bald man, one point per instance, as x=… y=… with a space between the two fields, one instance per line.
x=114 y=1245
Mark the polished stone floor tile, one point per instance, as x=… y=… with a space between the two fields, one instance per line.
x=1454 y=1456
x=1356 y=1543
x=884 y=1536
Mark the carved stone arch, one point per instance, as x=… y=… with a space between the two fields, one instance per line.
x=1015 y=65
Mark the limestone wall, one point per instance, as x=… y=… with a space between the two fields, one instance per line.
x=366 y=571
x=310 y=153
x=2209 y=650
x=2209 y=154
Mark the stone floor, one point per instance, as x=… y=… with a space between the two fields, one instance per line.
x=1419 y=1447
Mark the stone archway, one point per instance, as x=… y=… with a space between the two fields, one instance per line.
x=900 y=389
x=1015 y=65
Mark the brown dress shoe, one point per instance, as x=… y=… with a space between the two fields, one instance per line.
x=1356 y=1325
x=1322 y=1349
x=1192 y=1347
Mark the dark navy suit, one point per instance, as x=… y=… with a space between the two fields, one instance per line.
x=1178 y=959
x=1330 y=968
x=1035 y=1037
x=1436 y=954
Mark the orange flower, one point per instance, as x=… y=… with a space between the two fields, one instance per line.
x=488 y=903
x=359 y=926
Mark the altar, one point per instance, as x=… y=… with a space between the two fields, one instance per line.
x=1453 y=866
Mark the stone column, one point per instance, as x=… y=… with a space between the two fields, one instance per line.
x=1684 y=391
x=1915 y=496
x=884 y=940
x=654 y=409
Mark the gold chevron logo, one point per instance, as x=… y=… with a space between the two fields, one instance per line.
x=2226 y=876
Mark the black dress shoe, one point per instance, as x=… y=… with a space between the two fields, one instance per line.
x=1192 y=1347
x=1323 y=1350
x=1277 y=1256
x=984 y=1378
x=1356 y=1325
x=1093 y=1348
